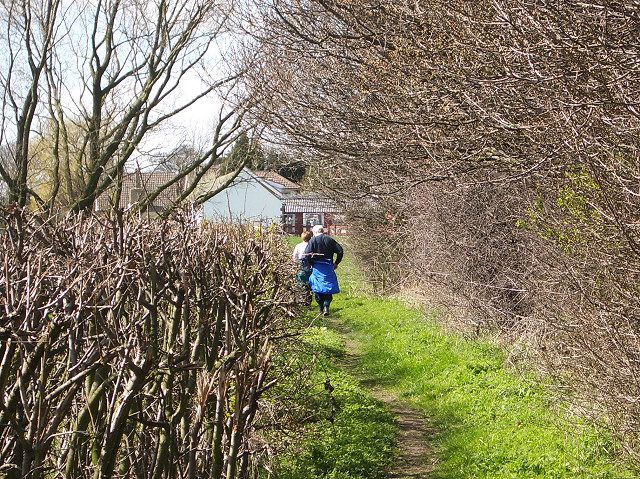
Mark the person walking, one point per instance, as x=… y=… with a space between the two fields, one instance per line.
x=305 y=269
x=323 y=280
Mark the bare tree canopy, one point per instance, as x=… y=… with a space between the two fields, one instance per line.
x=89 y=85
x=491 y=149
x=447 y=88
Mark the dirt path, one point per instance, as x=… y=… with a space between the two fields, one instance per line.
x=416 y=459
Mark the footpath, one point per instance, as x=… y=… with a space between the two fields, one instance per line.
x=414 y=456
x=412 y=401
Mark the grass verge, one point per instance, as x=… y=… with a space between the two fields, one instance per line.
x=492 y=423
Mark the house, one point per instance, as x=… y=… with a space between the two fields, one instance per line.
x=259 y=197
x=302 y=212
x=265 y=197
x=138 y=185
x=249 y=198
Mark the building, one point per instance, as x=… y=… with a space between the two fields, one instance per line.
x=248 y=199
x=302 y=212
x=258 y=197
x=265 y=197
x=138 y=185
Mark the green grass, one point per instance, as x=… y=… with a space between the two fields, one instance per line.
x=352 y=435
x=490 y=422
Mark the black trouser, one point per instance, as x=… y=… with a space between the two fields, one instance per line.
x=323 y=300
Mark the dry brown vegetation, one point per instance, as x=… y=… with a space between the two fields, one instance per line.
x=138 y=349
x=489 y=148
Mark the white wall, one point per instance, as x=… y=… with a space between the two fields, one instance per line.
x=245 y=200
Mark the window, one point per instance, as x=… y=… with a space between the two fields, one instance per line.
x=312 y=219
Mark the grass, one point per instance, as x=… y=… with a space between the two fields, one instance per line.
x=490 y=422
x=352 y=435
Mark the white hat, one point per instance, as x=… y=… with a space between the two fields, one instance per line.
x=317 y=230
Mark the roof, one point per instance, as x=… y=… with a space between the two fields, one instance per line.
x=311 y=203
x=139 y=184
x=276 y=178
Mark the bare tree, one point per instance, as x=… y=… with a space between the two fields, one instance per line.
x=103 y=78
x=492 y=151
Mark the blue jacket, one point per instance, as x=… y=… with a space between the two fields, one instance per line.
x=323 y=278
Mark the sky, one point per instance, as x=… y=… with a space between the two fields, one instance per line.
x=72 y=66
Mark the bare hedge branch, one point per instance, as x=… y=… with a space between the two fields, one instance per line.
x=136 y=349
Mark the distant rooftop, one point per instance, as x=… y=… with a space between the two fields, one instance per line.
x=276 y=178
x=139 y=184
x=310 y=203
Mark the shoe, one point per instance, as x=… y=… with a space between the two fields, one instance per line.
x=325 y=311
